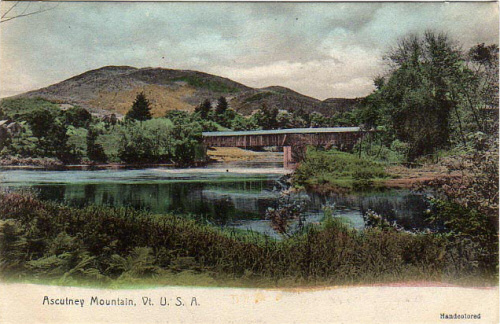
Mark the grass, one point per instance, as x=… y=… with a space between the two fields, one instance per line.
x=117 y=247
x=335 y=169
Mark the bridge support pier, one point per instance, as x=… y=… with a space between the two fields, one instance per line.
x=288 y=162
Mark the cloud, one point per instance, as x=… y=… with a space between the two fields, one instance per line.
x=319 y=49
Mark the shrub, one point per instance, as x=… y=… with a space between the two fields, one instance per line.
x=336 y=168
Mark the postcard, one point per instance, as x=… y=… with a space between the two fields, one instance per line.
x=249 y=162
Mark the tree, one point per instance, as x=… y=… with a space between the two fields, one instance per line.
x=284 y=119
x=479 y=91
x=78 y=117
x=221 y=107
x=240 y=123
x=419 y=93
x=266 y=117
x=301 y=118
x=318 y=120
x=110 y=120
x=186 y=140
x=204 y=109
x=141 y=109
x=95 y=151
x=51 y=132
x=178 y=116
x=148 y=142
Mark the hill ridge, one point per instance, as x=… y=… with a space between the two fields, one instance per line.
x=112 y=89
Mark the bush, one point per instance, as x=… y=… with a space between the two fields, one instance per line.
x=336 y=168
x=463 y=224
x=78 y=117
x=150 y=141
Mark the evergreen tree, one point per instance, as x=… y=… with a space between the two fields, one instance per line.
x=221 y=106
x=204 y=109
x=141 y=109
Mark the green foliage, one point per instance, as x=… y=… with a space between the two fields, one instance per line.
x=466 y=207
x=43 y=123
x=178 y=117
x=484 y=54
x=73 y=136
x=318 y=120
x=78 y=117
x=211 y=85
x=186 y=142
x=24 y=144
x=19 y=109
x=95 y=151
x=419 y=94
x=204 y=109
x=434 y=95
x=221 y=107
x=51 y=133
x=240 y=123
x=475 y=184
x=110 y=139
x=266 y=117
x=287 y=209
x=45 y=133
x=337 y=169
x=467 y=224
x=141 y=109
x=272 y=118
x=100 y=244
x=77 y=141
x=374 y=148
x=147 y=142
x=346 y=119
x=478 y=92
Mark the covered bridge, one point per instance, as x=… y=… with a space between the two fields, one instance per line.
x=342 y=137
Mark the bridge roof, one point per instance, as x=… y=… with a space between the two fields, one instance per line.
x=286 y=131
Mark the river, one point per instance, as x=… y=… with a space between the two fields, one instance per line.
x=231 y=194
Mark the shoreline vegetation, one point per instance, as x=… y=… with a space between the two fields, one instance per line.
x=218 y=154
x=46 y=242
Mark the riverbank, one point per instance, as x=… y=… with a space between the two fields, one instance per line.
x=54 y=164
x=405 y=177
x=112 y=246
x=399 y=175
x=218 y=154
x=232 y=154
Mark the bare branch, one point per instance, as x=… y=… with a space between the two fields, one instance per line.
x=24 y=13
x=10 y=9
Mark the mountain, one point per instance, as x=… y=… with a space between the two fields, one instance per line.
x=112 y=89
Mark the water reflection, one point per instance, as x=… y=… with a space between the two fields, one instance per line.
x=220 y=203
x=228 y=199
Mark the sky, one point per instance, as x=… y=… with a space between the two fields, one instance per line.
x=322 y=50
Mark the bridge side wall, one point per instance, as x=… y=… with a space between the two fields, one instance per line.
x=245 y=140
x=345 y=140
